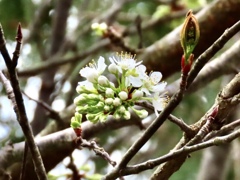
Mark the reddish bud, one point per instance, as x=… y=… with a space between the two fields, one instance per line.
x=78 y=131
x=214 y=112
x=186 y=64
x=19 y=33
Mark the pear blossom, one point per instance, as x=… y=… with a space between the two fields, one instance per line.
x=137 y=81
x=158 y=102
x=99 y=97
x=152 y=83
x=94 y=70
x=124 y=62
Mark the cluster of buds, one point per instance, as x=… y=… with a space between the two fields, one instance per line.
x=99 y=97
x=189 y=38
x=99 y=29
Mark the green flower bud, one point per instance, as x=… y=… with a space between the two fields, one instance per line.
x=190 y=34
x=92 y=117
x=78 y=117
x=116 y=115
x=127 y=115
x=82 y=109
x=81 y=99
x=121 y=109
x=83 y=89
x=141 y=113
x=75 y=123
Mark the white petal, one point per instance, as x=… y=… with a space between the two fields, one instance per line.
x=135 y=81
x=84 y=72
x=155 y=77
x=101 y=65
x=86 y=83
x=159 y=87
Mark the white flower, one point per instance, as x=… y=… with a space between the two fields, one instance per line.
x=151 y=83
x=137 y=81
x=158 y=102
x=94 y=70
x=124 y=62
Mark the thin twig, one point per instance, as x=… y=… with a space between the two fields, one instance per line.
x=20 y=110
x=225 y=129
x=98 y=150
x=74 y=169
x=185 y=150
x=24 y=161
x=52 y=113
x=138 y=23
x=183 y=126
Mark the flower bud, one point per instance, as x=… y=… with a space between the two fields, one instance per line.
x=76 y=120
x=142 y=113
x=106 y=108
x=80 y=99
x=113 y=68
x=190 y=34
x=117 y=102
x=109 y=101
x=137 y=94
x=74 y=124
x=109 y=93
x=103 y=81
x=127 y=115
x=83 y=89
x=121 y=109
x=123 y=95
x=92 y=117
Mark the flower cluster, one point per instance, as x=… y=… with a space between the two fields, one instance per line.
x=99 y=97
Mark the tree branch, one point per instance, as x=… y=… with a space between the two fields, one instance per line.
x=20 y=110
x=150 y=164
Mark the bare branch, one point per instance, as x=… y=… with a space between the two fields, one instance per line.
x=182 y=151
x=20 y=110
x=92 y=145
